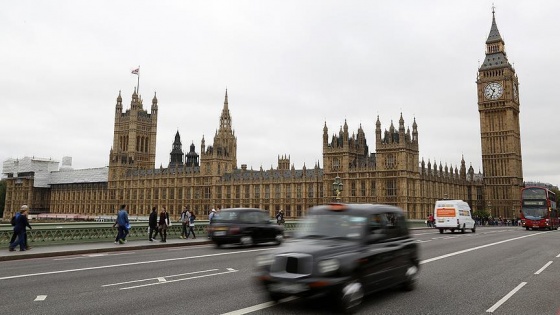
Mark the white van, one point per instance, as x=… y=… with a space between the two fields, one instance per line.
x=453 y=215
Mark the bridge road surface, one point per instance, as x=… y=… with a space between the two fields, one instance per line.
x=497 y=270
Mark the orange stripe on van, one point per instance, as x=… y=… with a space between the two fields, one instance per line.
x=445 y=212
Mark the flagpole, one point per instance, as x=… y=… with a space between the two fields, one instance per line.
x=138 y=84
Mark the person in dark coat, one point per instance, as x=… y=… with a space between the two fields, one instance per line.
x=192 y=217
x=153 y=224
x=21 y=229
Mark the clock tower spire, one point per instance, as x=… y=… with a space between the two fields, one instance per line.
x=498 y=106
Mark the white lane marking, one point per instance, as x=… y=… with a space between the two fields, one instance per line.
x=94 y=256
x=183 y=279
x=157 y=278
x=474 y=248
x=40 y=298
x=258 y=307
x=231 y=269
x=186 y=247
x=130 y=264
x=161 y=279
x=505 y=298
x=557 y=255
x=426 y=241
x=543 y=268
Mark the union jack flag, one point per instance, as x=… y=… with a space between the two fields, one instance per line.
x=136 y=71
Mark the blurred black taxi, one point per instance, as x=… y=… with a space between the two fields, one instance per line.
x=343 y=251
x=245 y=226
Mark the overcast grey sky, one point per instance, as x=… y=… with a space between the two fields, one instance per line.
x=289 y=67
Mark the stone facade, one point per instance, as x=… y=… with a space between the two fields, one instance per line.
x=394 y=174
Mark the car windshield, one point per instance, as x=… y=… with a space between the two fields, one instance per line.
x=253 y=217
x=534 y=212
x=335 y=226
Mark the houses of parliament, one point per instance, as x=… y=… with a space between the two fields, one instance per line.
x=210 y=178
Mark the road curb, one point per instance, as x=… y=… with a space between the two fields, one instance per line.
x=118 y=248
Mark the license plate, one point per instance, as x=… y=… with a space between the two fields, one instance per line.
x=291 y=288
x=219 y=233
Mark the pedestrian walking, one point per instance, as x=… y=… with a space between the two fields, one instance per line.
x=20 y=228
x=280 y=217
x=13 y=222
x=123 y=224
x=163 y=224
x=153 y=224
x=192 y=217
x=184 y=222
x=211 y=216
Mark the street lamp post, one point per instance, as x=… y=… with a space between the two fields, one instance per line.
x=337 y=188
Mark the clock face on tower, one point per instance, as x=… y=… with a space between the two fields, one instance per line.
x=493 y=91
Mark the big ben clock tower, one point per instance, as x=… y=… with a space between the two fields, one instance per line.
x=498 y=105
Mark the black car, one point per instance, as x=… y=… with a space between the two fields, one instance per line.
x=343 y=251
x=245 y=226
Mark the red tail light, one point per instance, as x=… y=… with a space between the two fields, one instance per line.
x=234 y=230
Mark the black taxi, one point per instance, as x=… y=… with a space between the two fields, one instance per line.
x=244 y=226
x=343 y=251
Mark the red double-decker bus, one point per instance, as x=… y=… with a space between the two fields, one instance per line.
x=538 y=208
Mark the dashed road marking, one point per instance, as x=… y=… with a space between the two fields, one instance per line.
x=543 y=268
x=40 y=298
x=505 y=298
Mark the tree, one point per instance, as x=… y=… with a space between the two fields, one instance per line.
x=481 y=214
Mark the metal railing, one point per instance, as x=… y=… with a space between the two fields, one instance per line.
x=83 y=232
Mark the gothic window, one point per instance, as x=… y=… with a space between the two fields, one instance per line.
x=237 y=190
x=363 y=188
x=390 y=161
x=267 y=191
x=288 y=190
x=277 y=191
x=298 y=191
x=353 y=189
x=336 y=164
x=391 y=187
x=257 y=191
x=310 y=191
x=219 y=192
x=247 y=194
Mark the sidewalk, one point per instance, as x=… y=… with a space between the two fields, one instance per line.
x=92 y=248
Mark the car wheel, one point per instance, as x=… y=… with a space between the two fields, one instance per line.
x=217 y=245
x=279 y=239
x=440 y=231
x=275 y=297
x=452 y=230
x=247 y=240
x=351 y=296
x=473 y=229
x=410 y=282
x=527 y=228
